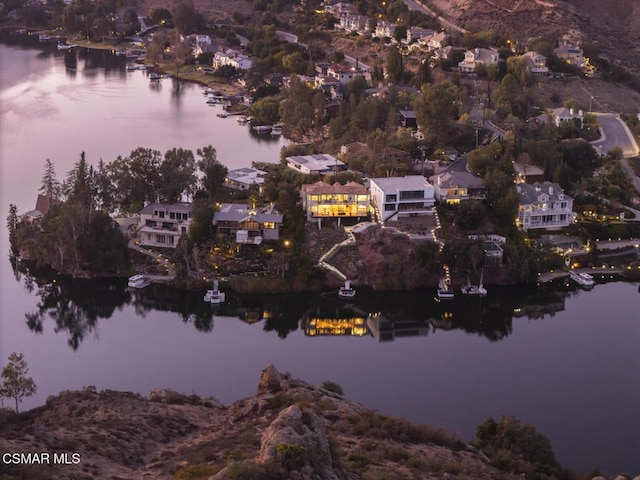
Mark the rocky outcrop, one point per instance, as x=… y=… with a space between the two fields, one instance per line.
x=289 y=430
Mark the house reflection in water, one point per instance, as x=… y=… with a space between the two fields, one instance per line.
x=353 y=326
x=386 y=329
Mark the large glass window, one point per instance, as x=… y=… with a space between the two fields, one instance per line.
x=160 y=239
x=411 y=194
x=391 y=198
x=389 y=207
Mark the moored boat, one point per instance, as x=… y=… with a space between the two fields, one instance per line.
x=139 y=281
x=66 y=46
x=346 y=291
x=214 y=296
x=262 y=128
x=478 y=290
x=582 y=279
x=242 y=119
x=444 y=290
x=276 y=130
x=155 y=76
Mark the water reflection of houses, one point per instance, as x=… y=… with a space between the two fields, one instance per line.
x=341 y=322
x=386 y=328
x=541 y=305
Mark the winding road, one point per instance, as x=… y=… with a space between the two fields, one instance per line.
x=616 y=134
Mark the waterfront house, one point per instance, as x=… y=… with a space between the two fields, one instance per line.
x=454 y=187
x=323 y=200
x=478 y=56
x=543 y=205
x=234 y=58
x=397 y=197
x=321 y=163
x=162 y=224
x=243 y=224
x=244 y=178
x=43 y=205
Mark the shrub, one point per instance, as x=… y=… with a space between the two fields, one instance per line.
x=195 y=472
x=332 y=387
x=292 y=457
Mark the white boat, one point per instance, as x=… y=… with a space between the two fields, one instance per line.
x=43 y=37
x=139 y=281
x=242 y=119
x=214 y=295
x=155 y=76
x=276 y=130
x=346 y=291
x=132 y=67
x=444 y=290
x=475 y=289
x=66 y=46
x=262 y=128
x=582 y=279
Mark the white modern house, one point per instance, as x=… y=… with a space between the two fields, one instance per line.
x=397 y=197
x=323 y=200
x=162 y=224
x=321 y=163
x=543 y=205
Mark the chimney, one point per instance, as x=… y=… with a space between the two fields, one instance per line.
x=571 y=112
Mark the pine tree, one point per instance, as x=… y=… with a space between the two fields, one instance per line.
x=15 y=383
x=49 y=185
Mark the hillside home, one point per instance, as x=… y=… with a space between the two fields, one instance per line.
x=162 y=224
x=354 y=23
x=543 y=205
x=454 y=187
x=416 y=34
x=563 y=115
x=571 y=54
x=247 y=225
x=536 y=63
x=321 y=163
x=231 y=57
x=407 y=119
x=478 y=56
x=244 y=178
x=322 y=200
x=340 y=8
x=397 y=197
x=343 y=73
x=436 y=41
x=384 y=29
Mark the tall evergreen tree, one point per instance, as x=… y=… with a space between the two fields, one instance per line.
x=49 y=185
x=395 y=66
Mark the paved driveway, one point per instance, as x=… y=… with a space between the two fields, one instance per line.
x=617 y=135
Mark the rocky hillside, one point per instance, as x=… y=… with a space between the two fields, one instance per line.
x=613 y=25
x=288 y=430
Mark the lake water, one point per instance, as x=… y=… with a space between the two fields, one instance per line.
x=563 y=359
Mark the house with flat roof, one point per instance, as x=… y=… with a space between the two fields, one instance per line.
x=162 y=224
x=543 y=205
x=454 y=187
x=323 y=200
x=244 y=178
x=244 y=224
x=321 y=163
x=396 y=197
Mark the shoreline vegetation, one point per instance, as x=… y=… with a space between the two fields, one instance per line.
x=289 y=429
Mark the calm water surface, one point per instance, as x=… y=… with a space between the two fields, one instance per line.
x=562 y=359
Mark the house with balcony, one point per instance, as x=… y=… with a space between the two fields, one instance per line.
x=323 y=200
x=397 y=197
x=321 y=163
x=343 y=73
x=478 y=56
x=162 y=224
x=536 y=63
x=244 y=178
x=243 y=224
x=234 y=58
x=436 y=41
x=455 y=187
x=543 y=205
x=417 y=34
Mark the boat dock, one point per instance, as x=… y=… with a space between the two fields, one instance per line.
x=545 y=277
